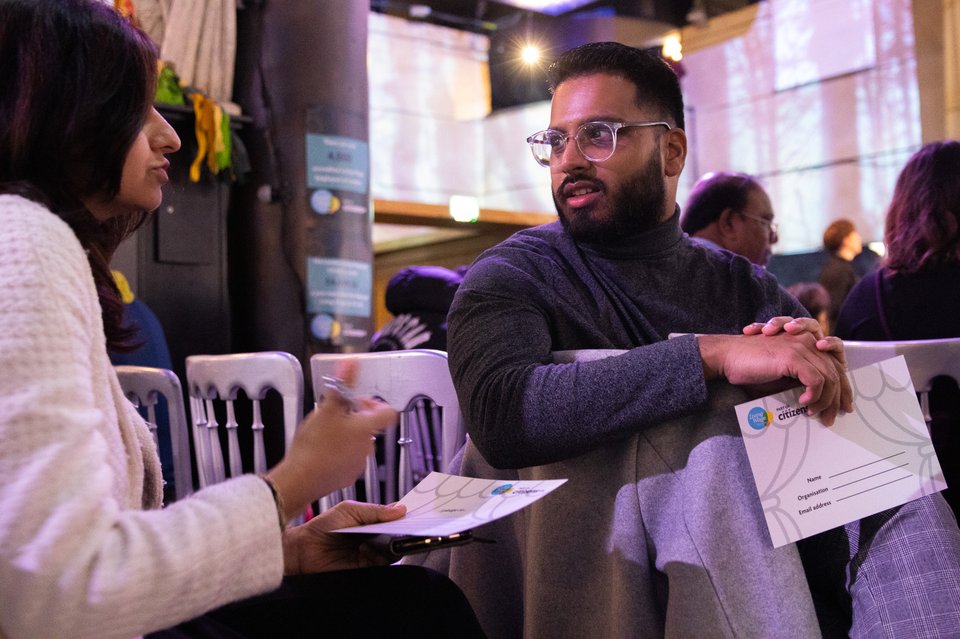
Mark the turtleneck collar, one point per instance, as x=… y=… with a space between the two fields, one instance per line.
x=661 y=238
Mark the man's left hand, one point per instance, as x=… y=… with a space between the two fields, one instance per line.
x=825 y=344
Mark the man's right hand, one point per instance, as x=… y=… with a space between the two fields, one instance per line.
x=759 y=360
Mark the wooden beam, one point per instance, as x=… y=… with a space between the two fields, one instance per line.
x=719 y=29
x=413 y=236
x=397 y=212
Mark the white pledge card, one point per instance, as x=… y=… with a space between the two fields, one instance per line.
x=444 y=504
x=813 y=478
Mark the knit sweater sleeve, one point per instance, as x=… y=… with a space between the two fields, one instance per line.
x=523 y=410
x=78 y=557
x=538 y=293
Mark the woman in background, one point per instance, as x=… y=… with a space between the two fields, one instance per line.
x=915 y=294
x=843 y=243
x=84 y=549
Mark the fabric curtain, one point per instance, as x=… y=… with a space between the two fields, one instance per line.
x=198 y=38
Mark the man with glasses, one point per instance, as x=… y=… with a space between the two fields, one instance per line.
x=731 y=211
x=659 y=530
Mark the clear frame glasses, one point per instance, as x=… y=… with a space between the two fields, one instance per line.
x=596 y=140
x=770 y=224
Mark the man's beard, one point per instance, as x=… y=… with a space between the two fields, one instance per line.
x=635 y=208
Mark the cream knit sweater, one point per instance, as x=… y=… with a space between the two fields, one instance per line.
x=84 y=552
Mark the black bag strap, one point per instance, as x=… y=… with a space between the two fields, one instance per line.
x=881 y=313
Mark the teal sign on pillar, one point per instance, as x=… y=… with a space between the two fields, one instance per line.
x=335 y=162
x=339 y=272
x=338 y=295
x=303 y=81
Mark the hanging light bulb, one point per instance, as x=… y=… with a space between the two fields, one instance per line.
x=464 y=208
x=530 y=54
x=672 y=47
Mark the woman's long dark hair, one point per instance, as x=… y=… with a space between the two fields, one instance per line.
x=78 y=82
x=922 y=229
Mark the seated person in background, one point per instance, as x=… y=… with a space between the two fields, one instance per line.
x=419 y=298
x=85 y=549
x=731 y=211
x=866 y=261
x=147 y=347
x=815 y=299
x=915 y=293
x=659 y=530
x=838 y=275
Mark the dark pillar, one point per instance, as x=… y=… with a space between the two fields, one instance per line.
x=303 y=221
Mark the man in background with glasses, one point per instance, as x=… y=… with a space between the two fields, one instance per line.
x=659 y=530
x=731 y=211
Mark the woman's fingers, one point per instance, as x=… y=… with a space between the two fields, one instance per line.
x=347 y=370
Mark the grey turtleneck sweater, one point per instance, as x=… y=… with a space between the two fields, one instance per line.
x=539 y=292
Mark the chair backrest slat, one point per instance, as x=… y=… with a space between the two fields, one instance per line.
x=144 y=386
x=403 y=379
x=926 y=360
x=213 y=378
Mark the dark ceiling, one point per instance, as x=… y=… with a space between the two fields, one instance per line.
x=489 y=16
x=572 y=23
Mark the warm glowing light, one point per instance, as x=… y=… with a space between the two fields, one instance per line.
x=530 y=54
x=878 y=247
x=672 y=47
x=550 y=7
x=464 y=208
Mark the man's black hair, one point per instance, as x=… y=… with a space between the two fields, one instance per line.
x=657 y=83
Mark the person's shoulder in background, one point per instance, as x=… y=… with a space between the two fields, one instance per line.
x=419 y=297
x=860 y=315
x=152 y=349
x=418 y=289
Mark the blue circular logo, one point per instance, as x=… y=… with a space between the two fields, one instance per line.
x=324 y=326
x=499 y=490
x=324 y=202
x=759 y=418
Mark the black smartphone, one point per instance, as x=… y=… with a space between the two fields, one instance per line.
x=410 y=545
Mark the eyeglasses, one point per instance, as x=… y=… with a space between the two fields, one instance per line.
x=770 y=224
x=596 y=140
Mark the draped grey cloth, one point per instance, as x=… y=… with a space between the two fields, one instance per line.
x=657 y=535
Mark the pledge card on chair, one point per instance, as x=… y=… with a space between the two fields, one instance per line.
x=811 y=477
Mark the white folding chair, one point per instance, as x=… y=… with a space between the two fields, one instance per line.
x=926 y=360
x=220 y=377
x=585 y=355
x=144 y=386
x=403 y=379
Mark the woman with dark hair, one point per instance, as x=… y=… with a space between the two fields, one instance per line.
x=915 y=293
x=84 y=549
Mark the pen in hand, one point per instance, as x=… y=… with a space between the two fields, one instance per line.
x=339 y=387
